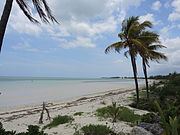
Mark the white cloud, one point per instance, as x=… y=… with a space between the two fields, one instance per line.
x=82 y=18
x=175 y=15
x=108 y=25
x=25 y=46
x=172 y=44
x=149 y=17
x=165 y=31
x=156 y=5
x=176 y=4
x=78 y=42
x=21 y=24
x=172 y=52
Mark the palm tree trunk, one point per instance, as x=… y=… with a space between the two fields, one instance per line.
x=4 y=20
x=133 y=62
x=145 y=75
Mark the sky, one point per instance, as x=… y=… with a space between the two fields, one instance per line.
x=75 y=47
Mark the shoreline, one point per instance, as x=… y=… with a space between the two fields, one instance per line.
x=70 y=99
x=19 y=118
x=32 y=93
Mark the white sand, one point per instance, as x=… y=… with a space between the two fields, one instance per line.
x=19 y=118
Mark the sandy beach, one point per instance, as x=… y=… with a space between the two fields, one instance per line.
x=18 y=118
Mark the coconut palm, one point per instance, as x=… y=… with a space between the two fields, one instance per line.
x=40 y=6
x=132 y=41
x=152 y=44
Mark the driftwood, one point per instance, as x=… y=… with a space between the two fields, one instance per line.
x=41 y=117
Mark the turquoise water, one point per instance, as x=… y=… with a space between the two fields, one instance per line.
x=17 y=91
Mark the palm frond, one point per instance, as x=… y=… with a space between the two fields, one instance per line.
x=49 y=12
x=39 y=6
x=122 y=36
x=155 y=47
x=116 y=46
x=25 y=8
x=133 y=31
x=149 y=37
x=138 y=45
x=145 y=24
x=126 y=53
x=127 y=23
x=156 y=56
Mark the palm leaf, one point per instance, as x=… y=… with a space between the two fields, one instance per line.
x=138 y=45
x=116 y=46
x=49 y=12
x=156 y=56
x=39 y=5
x=145 y=24
x=149 y=37
x=155 y=47
x=25 y=8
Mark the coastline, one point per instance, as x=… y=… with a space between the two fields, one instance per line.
x=18 y=118
x=26 y=92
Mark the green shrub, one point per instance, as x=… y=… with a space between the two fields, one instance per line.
x=32 y=130
x=97 y=130
x=111 y=111
x=78 y=113
x=148 y=118
x=59 y=120
x=117 y=113
x=171 y=88
x=4 y=132
x=128 y=115
x=171 y=125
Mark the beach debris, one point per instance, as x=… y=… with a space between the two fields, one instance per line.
x=42 y=113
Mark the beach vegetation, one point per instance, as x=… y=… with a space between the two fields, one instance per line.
x=167 y=93
x=59 y=120
x=32 y=130
x=4 y=132
x=167 y=96
x=78 y=113
x=42 y=8
x=115 y=113
x=149 y=118
x=171 y=125
x=96 y=130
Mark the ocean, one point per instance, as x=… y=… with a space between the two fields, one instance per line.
x=17 y=91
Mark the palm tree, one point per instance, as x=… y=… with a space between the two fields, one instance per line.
x=150 y=53
x=132 y=41
x=41 y=7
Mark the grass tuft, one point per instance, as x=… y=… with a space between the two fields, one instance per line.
x=59 y=120
x=78 y=113
x=96 y=130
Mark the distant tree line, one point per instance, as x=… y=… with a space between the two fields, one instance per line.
x=169 y=76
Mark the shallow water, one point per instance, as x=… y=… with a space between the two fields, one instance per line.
x=16 y=91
